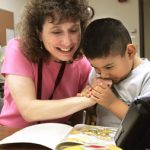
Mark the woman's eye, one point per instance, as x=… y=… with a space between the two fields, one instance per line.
x=108 y=67
x=56 y=32
x=74 y=30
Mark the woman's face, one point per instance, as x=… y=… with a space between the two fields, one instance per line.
x=61 y=40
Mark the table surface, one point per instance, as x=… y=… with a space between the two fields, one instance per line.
x=5 y=131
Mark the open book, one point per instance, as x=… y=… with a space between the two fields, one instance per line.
x=58 y=136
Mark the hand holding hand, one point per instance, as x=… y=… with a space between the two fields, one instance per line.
x=103 y=94
x=92 y=91
x=99 y=81
x=86 y=91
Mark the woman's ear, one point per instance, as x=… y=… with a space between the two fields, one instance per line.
x=39 y=34
x=131 y=50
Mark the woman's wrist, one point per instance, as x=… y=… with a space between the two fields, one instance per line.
x=86 y=101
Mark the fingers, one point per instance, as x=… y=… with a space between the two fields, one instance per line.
x=94 y=82
x=97 y=92
x=86 y=91
x=94 y=98
x=108 y=83
x=99 y=81
x=88 y=88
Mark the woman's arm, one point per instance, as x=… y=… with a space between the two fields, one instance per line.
x=24 y=94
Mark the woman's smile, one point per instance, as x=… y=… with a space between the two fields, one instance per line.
x=64 y=50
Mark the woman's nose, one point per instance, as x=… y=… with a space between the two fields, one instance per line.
x=67 y=40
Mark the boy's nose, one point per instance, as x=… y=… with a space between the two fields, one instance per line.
x=104 y=75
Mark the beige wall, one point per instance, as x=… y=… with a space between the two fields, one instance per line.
x=14 y=6
x=147 y=28
x=127 y=12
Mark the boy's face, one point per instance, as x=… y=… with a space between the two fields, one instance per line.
x=114 y=67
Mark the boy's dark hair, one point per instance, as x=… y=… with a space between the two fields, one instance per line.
x=104 y=37
x=34 y=15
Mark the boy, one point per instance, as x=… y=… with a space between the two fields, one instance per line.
x=108 y=46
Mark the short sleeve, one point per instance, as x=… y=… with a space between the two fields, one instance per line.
x=14 y=60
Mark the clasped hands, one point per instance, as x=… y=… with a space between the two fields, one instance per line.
x=100 y=91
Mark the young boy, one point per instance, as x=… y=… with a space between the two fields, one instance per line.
x=123 y=75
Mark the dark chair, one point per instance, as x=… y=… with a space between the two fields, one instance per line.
x=86 y=116
x=134 y=132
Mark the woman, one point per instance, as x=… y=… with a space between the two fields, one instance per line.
x=44 y=68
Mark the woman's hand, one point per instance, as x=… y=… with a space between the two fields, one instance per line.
x=93 y=90
x=86 y=91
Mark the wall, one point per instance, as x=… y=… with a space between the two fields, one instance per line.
x=14 y=6
x=127 y=12
x=147 y=28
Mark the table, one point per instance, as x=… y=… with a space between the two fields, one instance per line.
x=6 y=131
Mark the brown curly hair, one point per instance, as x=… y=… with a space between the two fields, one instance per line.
x=33 y=17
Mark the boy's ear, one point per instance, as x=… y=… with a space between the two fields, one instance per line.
x=131 y=50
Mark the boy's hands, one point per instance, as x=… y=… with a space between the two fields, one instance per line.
x=103 y=95
x=99 y=81
x=100 y=91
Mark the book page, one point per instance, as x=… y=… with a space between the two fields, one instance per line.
x=46 y=134
x=93 y=147
x=89 y=135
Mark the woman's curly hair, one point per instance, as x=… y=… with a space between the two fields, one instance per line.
x=34 y=15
